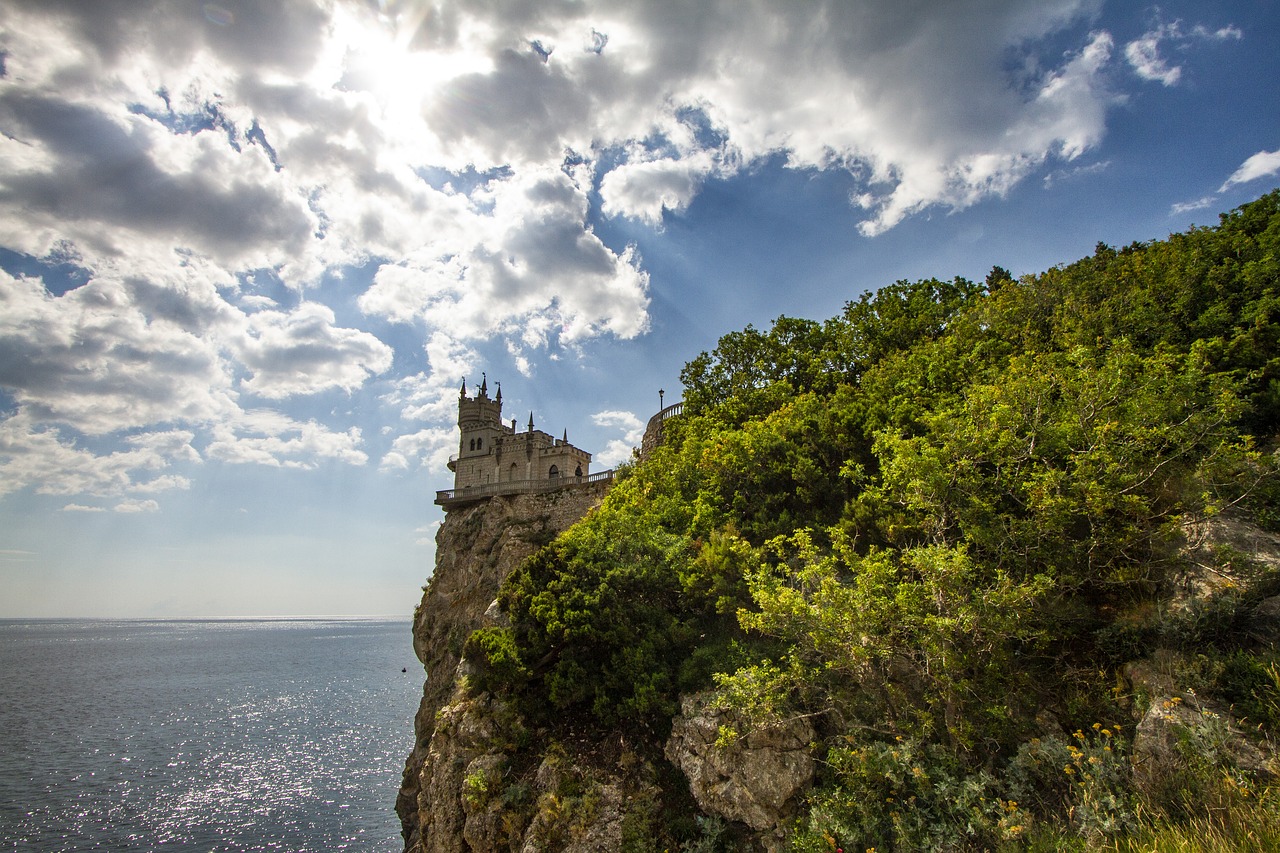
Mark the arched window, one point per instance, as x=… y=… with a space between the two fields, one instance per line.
x=479 y=443
x=472 y=446
x=554 y=473
x=578 y=472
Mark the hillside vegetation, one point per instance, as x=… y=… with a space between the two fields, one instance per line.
x=939 y=526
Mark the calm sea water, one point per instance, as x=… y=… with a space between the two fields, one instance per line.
x=281 y=735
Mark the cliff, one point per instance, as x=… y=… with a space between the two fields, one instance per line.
x=966 y=567
x=477 y=546
x=482 y=778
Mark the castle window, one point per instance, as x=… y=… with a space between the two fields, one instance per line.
x=479 y=443
x=555 y=472
x=473 y=444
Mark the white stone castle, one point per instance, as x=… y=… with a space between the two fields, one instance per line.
x=494 y=459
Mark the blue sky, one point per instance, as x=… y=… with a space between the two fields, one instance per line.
x=248 y=250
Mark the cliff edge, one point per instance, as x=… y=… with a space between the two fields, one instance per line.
x=477 y=546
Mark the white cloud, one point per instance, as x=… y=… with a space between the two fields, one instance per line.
x=428 y=448
x=1144 y=56
x=1264 y=164
x=433 y=395
x=161 y=484
x=528 y=255
x=82 y=508
x=1188 y=206
x=265 y=437
x=49 y=462
x=643 y=190
x=303 y=352
x=205 y=170
x=618 y=450
x=95 y=360
x=134 y=506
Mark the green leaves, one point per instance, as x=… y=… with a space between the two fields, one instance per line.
x=1074 y=463
x=920 y=524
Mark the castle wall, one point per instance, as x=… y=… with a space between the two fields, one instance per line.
x=491 y=452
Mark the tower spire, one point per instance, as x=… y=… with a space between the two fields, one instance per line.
x=530 y=420
x=463 y=393
x=484 y=385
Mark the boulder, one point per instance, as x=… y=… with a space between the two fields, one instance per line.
x=756 y=779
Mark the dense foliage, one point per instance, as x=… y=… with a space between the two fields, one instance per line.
x=933 y=523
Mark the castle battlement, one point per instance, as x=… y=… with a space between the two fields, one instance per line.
x=494 y=458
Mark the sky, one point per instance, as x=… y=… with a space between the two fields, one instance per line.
x=250 y=250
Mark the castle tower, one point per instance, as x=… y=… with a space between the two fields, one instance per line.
x=480 y=428
x=493 y=458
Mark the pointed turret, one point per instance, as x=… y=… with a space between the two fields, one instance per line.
x=463 y=394
x=530 y=421
x=484 y=385
x=498 y=399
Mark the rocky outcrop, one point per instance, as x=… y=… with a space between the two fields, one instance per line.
x=753 y=779
x=1179 y=732
x=472 y=799
x=477 y=546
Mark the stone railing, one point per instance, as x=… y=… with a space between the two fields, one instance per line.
x=653 y=430
x=450 y=497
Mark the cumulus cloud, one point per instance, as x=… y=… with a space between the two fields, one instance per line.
x=529 y=256
x=1144 y=53
x=304 y=352
x=618 y=450
x=266 y=437
x=644 y=190
x=427 y=448
x=218 y=171
x=44 y=459
x=134 y=506
x=94 y=360
x=433 y=395
x=1264 y=164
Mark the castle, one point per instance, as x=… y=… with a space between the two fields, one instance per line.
x=493 y=458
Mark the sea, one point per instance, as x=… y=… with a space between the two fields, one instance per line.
x=222 y=735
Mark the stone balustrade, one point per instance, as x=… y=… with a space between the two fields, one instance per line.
x=453 y=497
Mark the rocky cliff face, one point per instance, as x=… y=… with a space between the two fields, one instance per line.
x=477 y=546
x=479 y=779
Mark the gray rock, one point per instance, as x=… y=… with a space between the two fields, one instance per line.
x=477 y=546
x=755 y=779
x=1178 y=731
